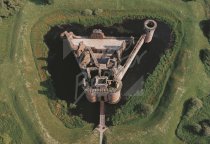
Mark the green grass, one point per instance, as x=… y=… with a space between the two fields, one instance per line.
x=10 y=131
x=203 y=114
x=20 y=78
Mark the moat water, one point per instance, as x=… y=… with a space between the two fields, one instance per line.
x=65 y=72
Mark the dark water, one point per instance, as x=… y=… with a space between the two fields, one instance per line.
x=64 y=72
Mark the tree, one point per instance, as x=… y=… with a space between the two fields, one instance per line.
x=205 y=27
x=9 y=7
x=205 y=129
x=192 y=105
x=196 y=128
x=48 y=1
x=144 y=109
x=205 y=58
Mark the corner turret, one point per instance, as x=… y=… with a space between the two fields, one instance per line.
x=150 y=27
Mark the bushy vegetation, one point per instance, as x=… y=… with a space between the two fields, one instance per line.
x=97 y=11
x=205 y=58
x=87 y=12
x=205 y=27
x=188 y=0
x=48 y=1
x=144 y=109
x=194 y=126
x=61 y=110
x=205 y=128
x=43 y=2
x=191 y=106
x=9 y=7
x=202 y=129
x=10 y=131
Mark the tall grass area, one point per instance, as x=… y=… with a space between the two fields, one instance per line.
x=10 y=131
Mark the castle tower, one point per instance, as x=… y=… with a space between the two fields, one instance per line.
x=149 y=26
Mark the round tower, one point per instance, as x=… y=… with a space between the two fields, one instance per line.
x=91 y=96
x=114 y=98
x=149 y=26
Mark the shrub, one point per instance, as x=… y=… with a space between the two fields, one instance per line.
x=5 y=139
x=192 y=106
x=9 y=7
x=195 y=128
x=61 y=110
x=144 y=109
x=87 y=12
x=98 y=11
x=10 y=130
x=73 y=121
x=205 y=124
x=1 y=140
x=72 y=106
x=205 y=27
x=48 y=1
x=205 y=129
x=205 y=58
x=188 y=0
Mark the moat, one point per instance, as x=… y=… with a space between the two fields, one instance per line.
x=65 y=72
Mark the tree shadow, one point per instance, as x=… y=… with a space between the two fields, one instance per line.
x=205 y=27
x=186 y=107
x=204 y=54
x=192 y=129
x=42 y=2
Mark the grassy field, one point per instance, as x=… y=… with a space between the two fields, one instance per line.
x=25 y=115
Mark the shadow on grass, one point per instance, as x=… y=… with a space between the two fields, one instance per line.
x=205 y=27
x=205 y=59
x=42 y=2
x=188 y=0
x=204 y=55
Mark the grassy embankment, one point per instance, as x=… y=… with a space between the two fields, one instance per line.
x=193 y=128
x=20 y=80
